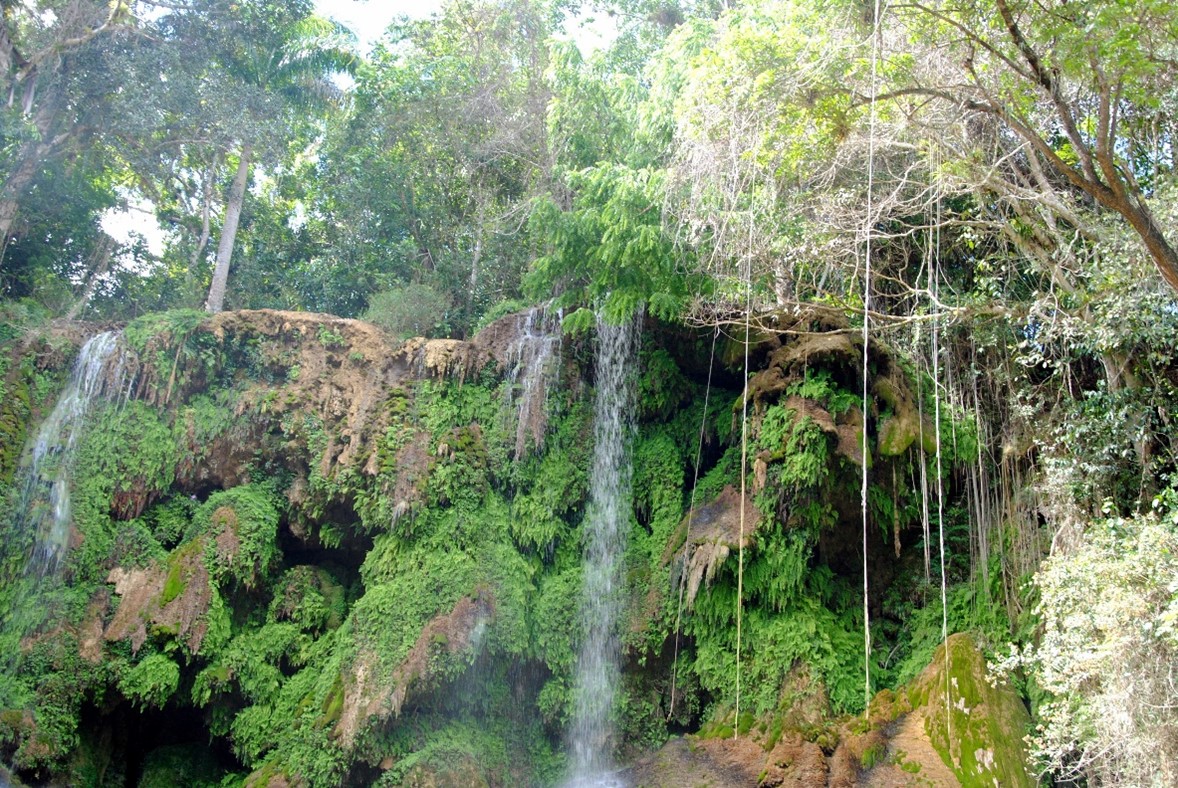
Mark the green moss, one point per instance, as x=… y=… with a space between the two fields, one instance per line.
x=717 y=731
x=980 y=734
x=773 y=734
x=896 y=434
x=332 y=706
x=178 y=572
x=875 y=754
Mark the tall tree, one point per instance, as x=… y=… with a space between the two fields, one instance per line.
x=1087 y=87
x=284 y=59
x=52 y=95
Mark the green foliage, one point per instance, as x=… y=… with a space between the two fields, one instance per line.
x=610 y=248
x=461 y=751
x=151 y=682
x=126 y=456
x=555 y=636
x=180 y=764
x=131 y=448
x=726 y=471
x=662 y=387
x=162 y=329
x=1106 y=604
x=558 y=484
x=16 y=403
x=414 y=310
x=970 y=609
x=170 y=520
x=829 y=643
x=242 y=525
x=310 y=597
x=799 y=450
x=777 y=575
x=250 y=662
x=818 y=385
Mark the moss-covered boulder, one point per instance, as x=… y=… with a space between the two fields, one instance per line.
x=976 y=727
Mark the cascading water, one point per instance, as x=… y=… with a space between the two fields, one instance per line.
x=532 y=360
x=45 y=494
x=606 y=523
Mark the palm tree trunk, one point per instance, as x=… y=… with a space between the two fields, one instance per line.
x=229 y=233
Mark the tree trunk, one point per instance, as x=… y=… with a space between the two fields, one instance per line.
x=32 y=155
x=102 y=257
x=16 y=185
x=205 y=209
x=229 y=233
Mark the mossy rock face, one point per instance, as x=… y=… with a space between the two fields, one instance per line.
x=896 y=434
x=981 y=737
x=272 y=776
x=465 y=773
x=902 y=425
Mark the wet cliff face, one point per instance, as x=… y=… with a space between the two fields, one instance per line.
x=349 y=560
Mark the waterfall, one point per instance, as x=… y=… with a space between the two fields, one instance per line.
x=532 y=361
x=606 y=523
x=44 y=509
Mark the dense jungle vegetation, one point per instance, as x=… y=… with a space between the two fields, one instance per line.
x=906 y=277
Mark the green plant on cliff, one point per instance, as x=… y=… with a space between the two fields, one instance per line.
x=1109 y=615
x=412 y=310
x=151 y=682
x=242 y=525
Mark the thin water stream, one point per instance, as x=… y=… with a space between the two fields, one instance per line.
x=608 y=518
x=533 y=359
x=45 y=494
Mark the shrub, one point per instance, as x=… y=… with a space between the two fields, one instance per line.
x=1107 y=652
x=413 y=310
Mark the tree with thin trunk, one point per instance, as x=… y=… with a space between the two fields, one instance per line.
x=233 y=207
x=293 y=74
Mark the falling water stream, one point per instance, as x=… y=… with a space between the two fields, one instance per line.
x=591 y=735
x=532 y=361
x=45 y=494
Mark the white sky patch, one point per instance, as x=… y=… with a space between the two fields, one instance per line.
x=137 y=219
x=591 y=31
x=369 y=19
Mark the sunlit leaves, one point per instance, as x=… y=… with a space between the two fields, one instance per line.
x=611 y=247
x=1107 y=652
